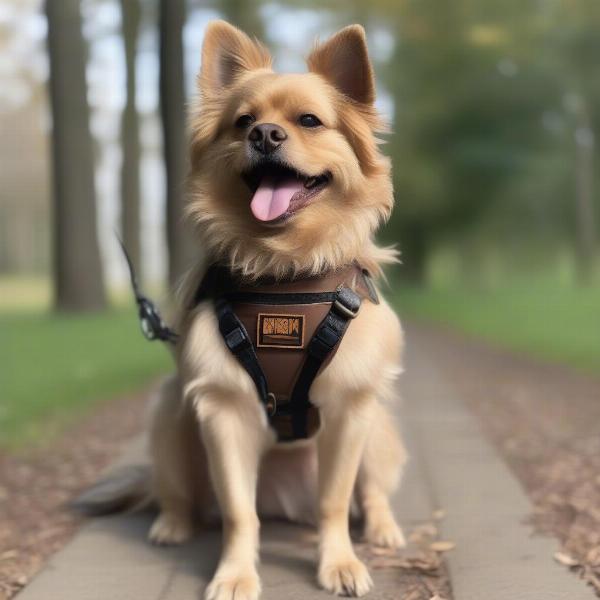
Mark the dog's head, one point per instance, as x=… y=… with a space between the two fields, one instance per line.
x=286 y=173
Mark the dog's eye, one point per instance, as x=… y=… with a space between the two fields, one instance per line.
x=244 y=121
x=309 y=121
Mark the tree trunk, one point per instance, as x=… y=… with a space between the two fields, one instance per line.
x=78 y=281
x=130 y=141
x=584 y=200
x=172 y=101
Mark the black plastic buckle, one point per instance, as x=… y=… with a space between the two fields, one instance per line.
x=236 y=340
x=324 y=340
x=346 y=303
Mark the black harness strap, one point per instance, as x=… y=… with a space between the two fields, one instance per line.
x=238 y=341
x=329 y=333
x=281 y=299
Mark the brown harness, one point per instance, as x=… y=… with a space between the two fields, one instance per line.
x=285 y=332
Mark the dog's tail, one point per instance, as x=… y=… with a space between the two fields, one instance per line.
x=126 y=489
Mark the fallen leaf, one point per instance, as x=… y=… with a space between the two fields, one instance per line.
x=422 y=532
x=591 y=578
x=379 y=551
x=593 y=556
x=8 y=555
x=442 y=546
x=565 y=559
x=414 y=594
x=424 y=562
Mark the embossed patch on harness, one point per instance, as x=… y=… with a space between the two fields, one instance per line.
x=280 y=331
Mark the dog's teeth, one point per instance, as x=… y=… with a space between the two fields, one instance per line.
x=310 y=182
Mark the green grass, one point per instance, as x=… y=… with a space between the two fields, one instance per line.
x=559 y=323
x=55 y=368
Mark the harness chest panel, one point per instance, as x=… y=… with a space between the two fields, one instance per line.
x=285 y=333
x=281 y=364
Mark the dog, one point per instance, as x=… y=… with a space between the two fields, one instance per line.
x=286 y=181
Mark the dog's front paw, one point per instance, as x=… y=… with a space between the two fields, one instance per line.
x=244 y=586
x=345 y=578
x=384 y=532
x=170 y=529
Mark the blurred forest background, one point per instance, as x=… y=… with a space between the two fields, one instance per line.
x=495 y=109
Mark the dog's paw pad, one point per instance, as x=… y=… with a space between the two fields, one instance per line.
x=246 y=587
x=349 y=578
x=386 y=534
x=170 y=529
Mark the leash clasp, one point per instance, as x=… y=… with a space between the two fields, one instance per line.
x=151 y=323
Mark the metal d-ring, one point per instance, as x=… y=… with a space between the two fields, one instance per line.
x=271 y=404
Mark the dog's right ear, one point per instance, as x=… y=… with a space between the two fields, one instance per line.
x=227 y=53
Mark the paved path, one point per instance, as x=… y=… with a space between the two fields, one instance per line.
x=452 y=468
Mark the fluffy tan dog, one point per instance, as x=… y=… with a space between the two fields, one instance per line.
x=315 y=211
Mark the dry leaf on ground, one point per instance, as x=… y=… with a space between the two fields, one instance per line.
x=379 y=551
x=422 y=533
x=425 y=562
x=442 y=546
x=565 y=559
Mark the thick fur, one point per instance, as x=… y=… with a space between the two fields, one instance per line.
x=213 y=452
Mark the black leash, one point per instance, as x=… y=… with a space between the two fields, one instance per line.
x=153 y=327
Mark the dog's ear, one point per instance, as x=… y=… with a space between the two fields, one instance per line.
x=344 y=61
x=227 y=53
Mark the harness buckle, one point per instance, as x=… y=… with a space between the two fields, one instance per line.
x=346 y=303
x=236 y=340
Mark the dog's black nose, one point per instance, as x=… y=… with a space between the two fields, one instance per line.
x=267 y=137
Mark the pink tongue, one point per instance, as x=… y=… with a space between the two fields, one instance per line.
x=273 y=197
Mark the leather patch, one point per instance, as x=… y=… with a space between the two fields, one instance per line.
x=280 y=331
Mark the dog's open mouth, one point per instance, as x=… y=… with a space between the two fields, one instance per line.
x=279 y=191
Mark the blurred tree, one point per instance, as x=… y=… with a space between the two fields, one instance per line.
x=468 y=105
x=244 y=14
x=585 y=219
x=130 y=140
x=78 y=278
x=173 y=111
x=572 y=46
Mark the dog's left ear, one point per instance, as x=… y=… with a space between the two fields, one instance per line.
x=344 y=61
x=227 y=53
